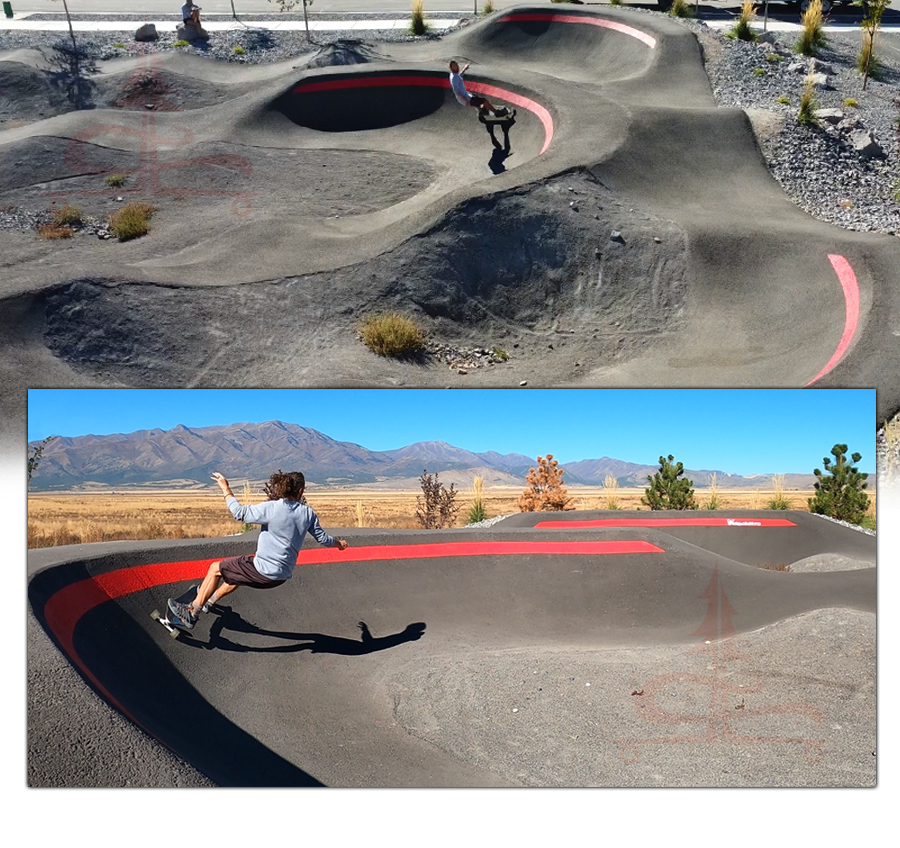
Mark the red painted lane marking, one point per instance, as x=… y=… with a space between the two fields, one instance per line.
x=434 y=82
x=66 y=607
x=666 y=522
x=644 y=37
x=851 y=320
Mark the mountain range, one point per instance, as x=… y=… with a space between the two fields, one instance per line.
x=184 y=457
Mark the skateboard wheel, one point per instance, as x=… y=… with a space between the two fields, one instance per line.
x=155 y=615
x=173 y=633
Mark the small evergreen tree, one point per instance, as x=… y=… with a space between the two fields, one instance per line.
x=839 y=490
x=666 y=490
x=436 y=507
x=546 y=491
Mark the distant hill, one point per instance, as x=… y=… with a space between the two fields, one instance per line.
x=184 y=457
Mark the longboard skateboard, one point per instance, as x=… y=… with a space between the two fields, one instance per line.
x=173 y=628
x=504 y=115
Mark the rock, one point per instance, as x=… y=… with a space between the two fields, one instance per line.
x=191 y=33
x=147 y=32
x=829 y=116
x=863 y=142
x=817 y=80
x=850 y=124
x=615 y=235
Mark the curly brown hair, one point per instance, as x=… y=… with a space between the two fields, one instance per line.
x=289 y=485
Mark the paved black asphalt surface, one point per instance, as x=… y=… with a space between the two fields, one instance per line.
x=469 y=667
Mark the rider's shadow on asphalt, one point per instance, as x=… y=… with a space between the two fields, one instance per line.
x=228 y=620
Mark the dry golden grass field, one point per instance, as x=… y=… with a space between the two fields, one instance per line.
x=73 y=518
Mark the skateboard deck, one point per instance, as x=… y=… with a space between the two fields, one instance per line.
x=164 y=620
x=504 y=115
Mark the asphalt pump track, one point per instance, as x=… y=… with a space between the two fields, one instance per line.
x=632 y=235
x=560 y=649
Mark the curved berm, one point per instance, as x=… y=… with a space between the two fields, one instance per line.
x=604 y=655
x=629 y=233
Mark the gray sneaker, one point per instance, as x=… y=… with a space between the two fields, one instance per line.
x=181 y=615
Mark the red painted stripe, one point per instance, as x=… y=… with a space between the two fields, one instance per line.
x=65 y=608
x=666 y=522
x=851 y=318
x=523 y=102
x=644 y=37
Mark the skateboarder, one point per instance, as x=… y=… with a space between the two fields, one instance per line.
x=286 y=520
x=190 y=14
x=459 y=90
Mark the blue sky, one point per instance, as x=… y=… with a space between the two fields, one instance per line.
x=744 y=431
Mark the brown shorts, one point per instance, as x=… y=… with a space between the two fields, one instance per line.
x=240 y=571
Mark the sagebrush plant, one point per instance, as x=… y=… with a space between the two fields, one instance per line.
x=417 y=24
x=812 y=34
x=546 y=490
x=840 y=490
x=808 y=105
x=392 y=334
x=132 y=220
x=742 y=29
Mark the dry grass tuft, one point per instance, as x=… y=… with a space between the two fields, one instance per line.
x=132 y=220
x=392 y=334
x=53 y=231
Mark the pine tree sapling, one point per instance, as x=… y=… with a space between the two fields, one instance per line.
x=839 y=490
x=436 y=507
x=666 y=490
x=546 y=491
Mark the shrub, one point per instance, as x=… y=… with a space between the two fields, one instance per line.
x=417 y=25
x=610 y=490
x=851 y=103
x=66 y=216
x=784 y=100
x=742 y=29
x=436 y=507
x=546 y=491
x=239 y=50
x=779 y=501
x=681 y=9
x=132 y=220
x=392 y=334
x=119 y=45
x=713 y=501
x=115 y=180
x=812 y=34
x=500 y=353
x=52 y=231
x=488 y=8
x=839 y=490
x=808 y=106
x=759 y=72
x=181 y=43
x=666 y=490
x=477 y=512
